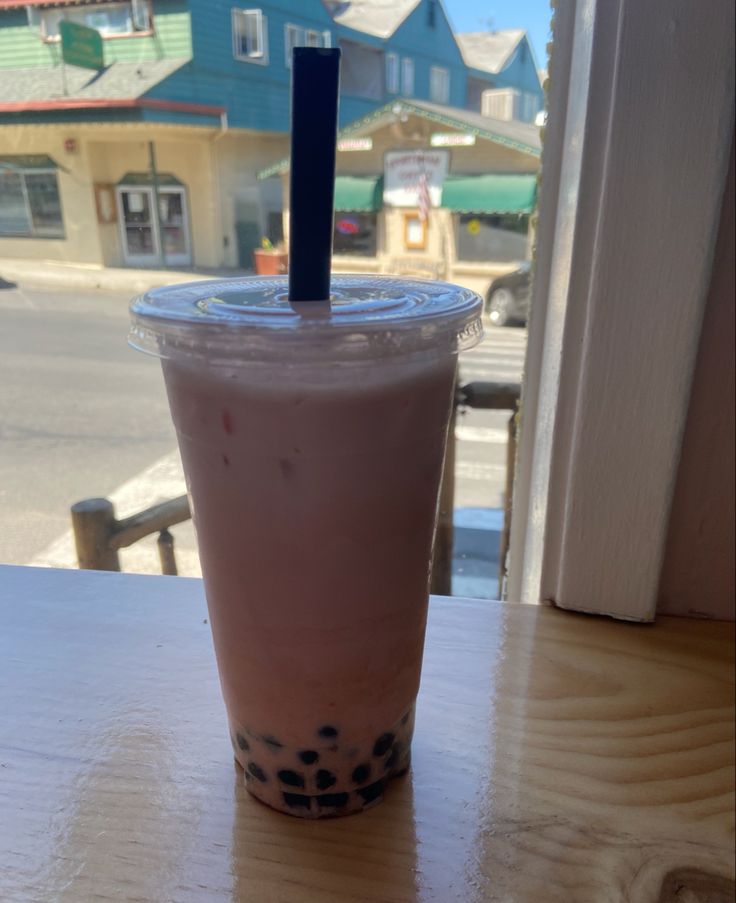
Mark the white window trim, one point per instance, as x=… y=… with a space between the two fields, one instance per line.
x=302 y=35
x=626 y=230
x=298 y=32
x=443 y=73
x=33 y=234
x=262 y=58
x=393 y=85
x=407 y=76
x=36 y=21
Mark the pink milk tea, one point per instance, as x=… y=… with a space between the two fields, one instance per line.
x=312 y=439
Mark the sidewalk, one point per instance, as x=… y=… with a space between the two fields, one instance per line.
x=91 y=276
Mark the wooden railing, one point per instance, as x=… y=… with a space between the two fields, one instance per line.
x=99 y=535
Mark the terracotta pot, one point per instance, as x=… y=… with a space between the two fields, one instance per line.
x=270 y=263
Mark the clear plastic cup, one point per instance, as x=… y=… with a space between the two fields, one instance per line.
x=312 y=438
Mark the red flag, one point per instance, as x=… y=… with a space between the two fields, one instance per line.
x=424 y=200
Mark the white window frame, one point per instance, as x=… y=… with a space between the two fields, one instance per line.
x=239 y=19
x=392 y=73
x=407 y=77
x=298 y=36
x=624 y=242
x=293 y=37
x=439 y=84
x=33 y=232
x=36 y=20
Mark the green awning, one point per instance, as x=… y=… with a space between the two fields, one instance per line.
x=27 y=161
x=490 y=193
x=145 y=178
x=358 y=193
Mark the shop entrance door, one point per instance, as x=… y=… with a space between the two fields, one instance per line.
x=138 y=228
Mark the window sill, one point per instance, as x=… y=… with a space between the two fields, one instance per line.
x=261 y=61
x=108 y=37
x=26 y=235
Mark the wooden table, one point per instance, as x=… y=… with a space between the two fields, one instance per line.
x=557 y=758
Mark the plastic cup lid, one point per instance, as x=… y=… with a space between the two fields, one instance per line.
x=251 y=318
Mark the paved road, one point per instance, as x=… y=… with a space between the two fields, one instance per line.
x=83 y=415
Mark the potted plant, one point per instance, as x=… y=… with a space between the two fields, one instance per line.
x=270 y=260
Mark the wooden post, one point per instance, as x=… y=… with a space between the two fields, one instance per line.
x=507 y=504
x=166 y=553
x=441 y=582
x=93 y=522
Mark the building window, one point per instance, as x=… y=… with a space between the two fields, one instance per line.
x=250 y=38
x=110 y=19
x=491 y=238
x=296 y=36
x=432 y=13
x=361 y=71
x=439 y=84
x=355 y=234
x=407 y=76
x=392 y=73
x=30 y=204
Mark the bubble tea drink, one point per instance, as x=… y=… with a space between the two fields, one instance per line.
x=312 y=438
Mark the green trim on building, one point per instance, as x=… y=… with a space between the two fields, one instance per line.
x=27 y=161
x=465 y=121
x=358 y=194
x=146 y=178
x=490 y=193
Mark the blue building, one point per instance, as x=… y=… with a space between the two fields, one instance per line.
x=197 y=93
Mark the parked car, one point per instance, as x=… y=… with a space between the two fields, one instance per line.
x=507 y=300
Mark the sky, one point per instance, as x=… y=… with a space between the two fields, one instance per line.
x=534 y=15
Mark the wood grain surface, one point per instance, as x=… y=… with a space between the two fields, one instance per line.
x=557 y=757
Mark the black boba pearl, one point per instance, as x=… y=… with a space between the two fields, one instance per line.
x=383 y=744
x=271 y=741
x=290 y=778
x=242 y=742
x=257 y=772
x=327 y=730
x=393 y=759
x=308 y=756
x=297 y=800
x=332 y=800
x=372 y=791
x=361 y=773
x=325 y=779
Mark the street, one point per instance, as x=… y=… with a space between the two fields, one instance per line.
x=83 y=415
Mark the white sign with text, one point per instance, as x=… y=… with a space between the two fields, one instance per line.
x=403 y=172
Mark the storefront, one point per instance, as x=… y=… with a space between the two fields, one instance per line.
x=446 y=197
x=86 y=193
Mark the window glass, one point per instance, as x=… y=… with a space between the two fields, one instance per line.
x=361 y=70
x=439 y=84
x=407 y=77
x=109 y=19
x=355 y=233
x=392 y=73
x=29 y=204
x=44 y=203
x=293 y=37
x=249 y=35
x=296 y=36
x=14 y=219
x=488 y=238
